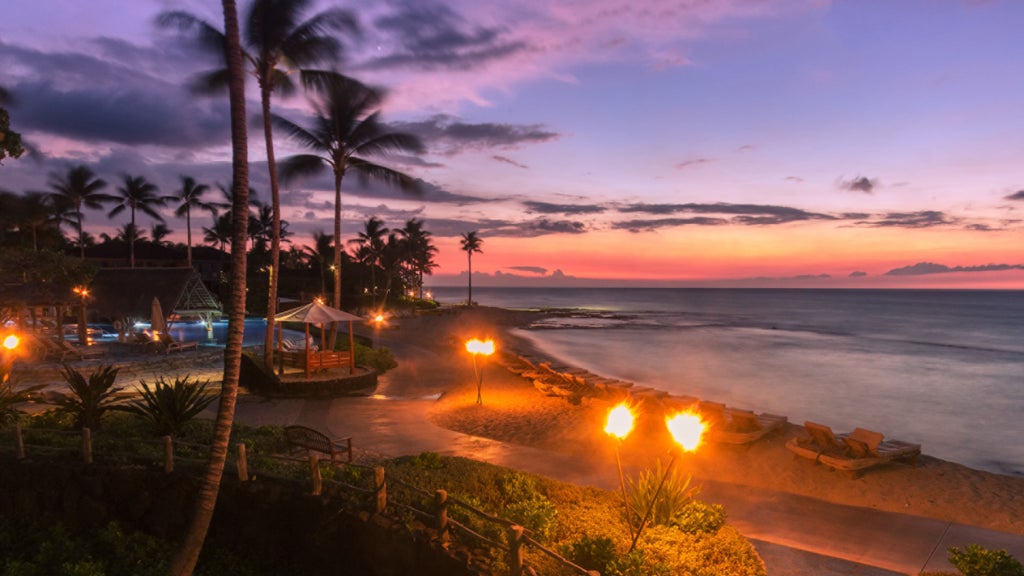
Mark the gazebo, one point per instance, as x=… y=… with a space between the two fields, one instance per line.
x=126 y=295
x=315 y=313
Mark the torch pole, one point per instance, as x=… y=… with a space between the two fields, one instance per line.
x=650 y=505
x=622 y=484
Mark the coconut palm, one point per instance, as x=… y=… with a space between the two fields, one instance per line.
x=35 y=213
x=345 y=135
x=419 y=251
x=471 y=243
x=191 y=196
x=78 y=188
x=158 y=231
x=137 y=194
x=277 y=41
x=184 y=561
x=220 y=233
x=371 y=248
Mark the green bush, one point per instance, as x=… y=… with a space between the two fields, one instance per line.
x=428 y=461
x=977 y=561
x=591 y=553
x=675 y=495
x=168 y=407
x=90 y=398
x=524 y=505
x=10 y=398
x=697 y=516
x=667 y=550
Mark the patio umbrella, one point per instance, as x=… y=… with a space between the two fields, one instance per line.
x=157 y=320
x=317 y=313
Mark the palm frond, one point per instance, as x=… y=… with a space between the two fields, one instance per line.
x=208 y=36
x=210 y=83
x=301 y=165
x=367 y=170
x=298 y=133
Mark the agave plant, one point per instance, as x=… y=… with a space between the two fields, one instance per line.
x=675 y=494
x=10 y=398
x=89 y=398
x=168 y=407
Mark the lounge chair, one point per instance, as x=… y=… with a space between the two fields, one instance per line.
x=735 y=426
x=293 y=346
x=172 y=345
x=67 y=349
x=851 y=452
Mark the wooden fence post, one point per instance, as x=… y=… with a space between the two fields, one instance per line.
x=314 y=471
x=168 y=454
x=441 y=513
x=515 y=550
x=87 y=445
x=19 y=442
x=243 y=463
x=381 y=488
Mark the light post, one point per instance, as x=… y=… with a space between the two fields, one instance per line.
x=10 y=344
x=619 y=425
x=83 y=328
x=378 y=321
x=686 y=429
x=478 y=348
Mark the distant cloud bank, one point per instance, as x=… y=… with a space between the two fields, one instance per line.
x=922 y=268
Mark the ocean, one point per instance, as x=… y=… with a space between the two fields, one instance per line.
x=942 y=368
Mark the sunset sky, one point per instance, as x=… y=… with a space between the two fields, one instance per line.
x=596 y=142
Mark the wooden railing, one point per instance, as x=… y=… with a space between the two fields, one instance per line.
x=376 y=495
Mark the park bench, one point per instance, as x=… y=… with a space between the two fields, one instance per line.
x=301 y=437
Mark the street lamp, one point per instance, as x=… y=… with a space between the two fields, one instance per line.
x=478 y=348
x=687 y=429
x=378 y=321
x=620 y=424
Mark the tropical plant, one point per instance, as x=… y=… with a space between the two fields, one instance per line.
x=975 y=560
x=220 y=233
x=344 y=135
x=10 y=141
x=591 y=553
x=185 y=559
x=34 y=211
x=666 y=495
x=191 y=196
x=370 y=249
x=10 y=398
x=470 y=243
x=88 y=398
x=169 y=406
x=419 y=252
x=76 y=189
x=137 y=193
x=158 y=231
x=276 y=42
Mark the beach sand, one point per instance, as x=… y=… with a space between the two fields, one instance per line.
x=433 y=361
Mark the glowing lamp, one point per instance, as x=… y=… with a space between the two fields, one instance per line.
x=485 y=347
x=620 y=421
x=11 y=342
x=686 y=429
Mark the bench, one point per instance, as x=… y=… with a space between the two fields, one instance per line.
x=300 y=437
x=317 y=360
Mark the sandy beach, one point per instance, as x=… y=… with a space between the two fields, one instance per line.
x=433 y=362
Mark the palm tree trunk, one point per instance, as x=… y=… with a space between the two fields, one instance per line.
x=188 y=230
x=185 y=560
x=470 y=256
x=275 y=233
x=337 y=257
x=81 y=236
x=131 y=242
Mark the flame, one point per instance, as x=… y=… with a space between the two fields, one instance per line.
x=620 y=421
x=11 y=342
x=687 y=429
x=485 y=347
x=378 y=318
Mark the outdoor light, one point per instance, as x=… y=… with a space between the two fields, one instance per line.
x=11 y=341
x=686 y=429
x=620 y=424
x=479 y=348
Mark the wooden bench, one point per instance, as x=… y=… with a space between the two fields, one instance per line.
x=317 y=360
x=300 y=437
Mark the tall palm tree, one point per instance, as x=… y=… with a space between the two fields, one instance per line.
x=277 y=42
x=471 y=243
x=191 y=196
x=158 y=231
x=420 y=250
x=345 y=134
x=137 y=193
x=220 y=233
x=319 y=255
x=35 y=212
x=184 y=561
x=78 y=188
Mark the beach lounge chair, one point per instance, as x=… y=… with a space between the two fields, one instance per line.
x=853 y=452
x=69 y=350
x=293 y=346
x=735 y=426
x=172 y=345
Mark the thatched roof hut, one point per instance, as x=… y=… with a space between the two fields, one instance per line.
x=129 y=293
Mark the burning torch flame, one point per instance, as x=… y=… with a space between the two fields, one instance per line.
x=11 y=342
x=620 y=421
x=686 y=429
x=485 y=347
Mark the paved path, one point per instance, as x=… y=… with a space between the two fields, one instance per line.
x=795 y=535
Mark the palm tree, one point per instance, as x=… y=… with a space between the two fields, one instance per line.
x=77 y=189
x=137 y=194
x=471 y=243
x=220 y=233
x=371 y=248
x=345 y=134
x=35 y=212
x=191 y=196
x=277 y=42
x=419 y=250
x=184 y=561
x=158 y=231
x=319 y=256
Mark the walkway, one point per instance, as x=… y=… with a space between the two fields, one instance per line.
x=795 y=535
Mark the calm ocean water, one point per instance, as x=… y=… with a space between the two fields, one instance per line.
x=943 y=368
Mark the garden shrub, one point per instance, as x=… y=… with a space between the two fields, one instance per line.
x=591 y=553
x=698 y=516
x=168 y=407
x=676 y=493
x=89 y=398
x=974 y=560
x=722 y=553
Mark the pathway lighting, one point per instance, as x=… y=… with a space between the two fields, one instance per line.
x=479 y=348
x=619 y=425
